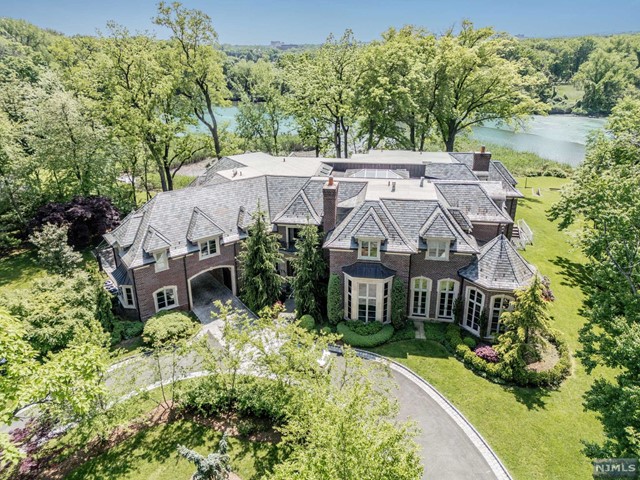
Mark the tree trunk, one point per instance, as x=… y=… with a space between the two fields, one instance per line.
x=345 y=142
x=317 y=149
x=412 y=133
x=336 y=139
x=167 y=173
x=370 y=139
x=450 y=139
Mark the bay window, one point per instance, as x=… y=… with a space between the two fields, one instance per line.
x=499 y=305
x=368 y=299
x=473 y=311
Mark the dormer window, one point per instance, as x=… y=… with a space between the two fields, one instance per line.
x=368 y=249
x=209 y=248
x=162 y=260
x=437 y=249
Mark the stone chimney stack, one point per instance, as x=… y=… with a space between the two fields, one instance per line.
x=481 y=160
x=330 y=204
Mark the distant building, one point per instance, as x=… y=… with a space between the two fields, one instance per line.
x=283 y=46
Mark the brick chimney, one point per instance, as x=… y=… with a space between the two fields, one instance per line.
x=481 y=160
x=330 y=204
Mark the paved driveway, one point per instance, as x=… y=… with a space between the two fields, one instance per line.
x=205 y=290
x=448 y=453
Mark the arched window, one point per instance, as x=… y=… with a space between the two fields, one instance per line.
x=499 y=305
x=420 y=296
x=166 y=298
x=447 y=292
x=475 y=304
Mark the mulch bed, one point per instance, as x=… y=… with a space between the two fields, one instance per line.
x=162 y=414
x=548 y=360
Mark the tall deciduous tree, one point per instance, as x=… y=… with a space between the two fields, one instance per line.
x=261 y=113
x=259 y=259
x=325 y=81
x=199 y=61
x=308 y=269
x=603 y=200
x=476 y=83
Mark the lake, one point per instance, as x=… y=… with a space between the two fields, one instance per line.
x=555 y=137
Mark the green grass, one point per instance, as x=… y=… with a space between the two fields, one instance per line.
x=152 y=454
x=20 y=268
x=537 y=433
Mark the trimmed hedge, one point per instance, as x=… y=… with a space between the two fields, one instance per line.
x=167 y=327
x=365 y=341
x=406 y=333
x=501 y=372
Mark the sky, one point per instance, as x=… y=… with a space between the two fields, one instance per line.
x=257 y=22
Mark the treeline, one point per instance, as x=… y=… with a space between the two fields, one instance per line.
x=112 y=115
x=602 y=70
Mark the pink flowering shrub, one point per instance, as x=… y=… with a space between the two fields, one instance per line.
x=487 y=353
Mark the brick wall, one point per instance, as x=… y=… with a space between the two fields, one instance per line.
x=181 y=269
x=486 y=232
x=436 y=271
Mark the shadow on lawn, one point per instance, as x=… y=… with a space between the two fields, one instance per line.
x=532 y=398
x=159 y=445
x=573 y=274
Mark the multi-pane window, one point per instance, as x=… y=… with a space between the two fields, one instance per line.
x=126 y=296
x=369 y=249
x=349 y=297
x=447 y=290
x=367 y=300
x=166 y=298
x=500 y=304
x=475 y=303
x=162 y=260
x=209 y=248
x=421 y=288
x=385 y=302
x=437 y=249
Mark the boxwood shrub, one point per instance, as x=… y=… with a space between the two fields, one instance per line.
x=355 y=339
x=307 y=322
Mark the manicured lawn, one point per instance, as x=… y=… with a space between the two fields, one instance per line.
x=537 y=433
x=152 y=454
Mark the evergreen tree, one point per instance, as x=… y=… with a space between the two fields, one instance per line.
x=309 y=270
x=335 y=313
x=525 y=326
x=215 y=466
x=398 y=304
x=258 y=263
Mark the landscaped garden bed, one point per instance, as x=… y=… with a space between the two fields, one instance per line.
x=485 y=361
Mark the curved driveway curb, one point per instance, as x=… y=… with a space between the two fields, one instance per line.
x=497 y=469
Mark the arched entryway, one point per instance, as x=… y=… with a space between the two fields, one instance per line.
x=205 y=287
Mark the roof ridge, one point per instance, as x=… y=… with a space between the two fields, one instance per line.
x=401 y=233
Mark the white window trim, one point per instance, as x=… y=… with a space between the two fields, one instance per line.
x=123 y=296
x=412 y=294
x=175 y=296
x=447 y=247
x=216 y=239
x=159 y=254
x=370 y=240
x=456 y=292
x=491 y=303
x=466 y=309
x=286 y=231
x=355 y=282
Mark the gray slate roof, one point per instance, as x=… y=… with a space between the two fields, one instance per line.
x=449 y=171
x=343 y=236
x=498 y=267
x=473 y=200
x=299 y=211
x=201 y=226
